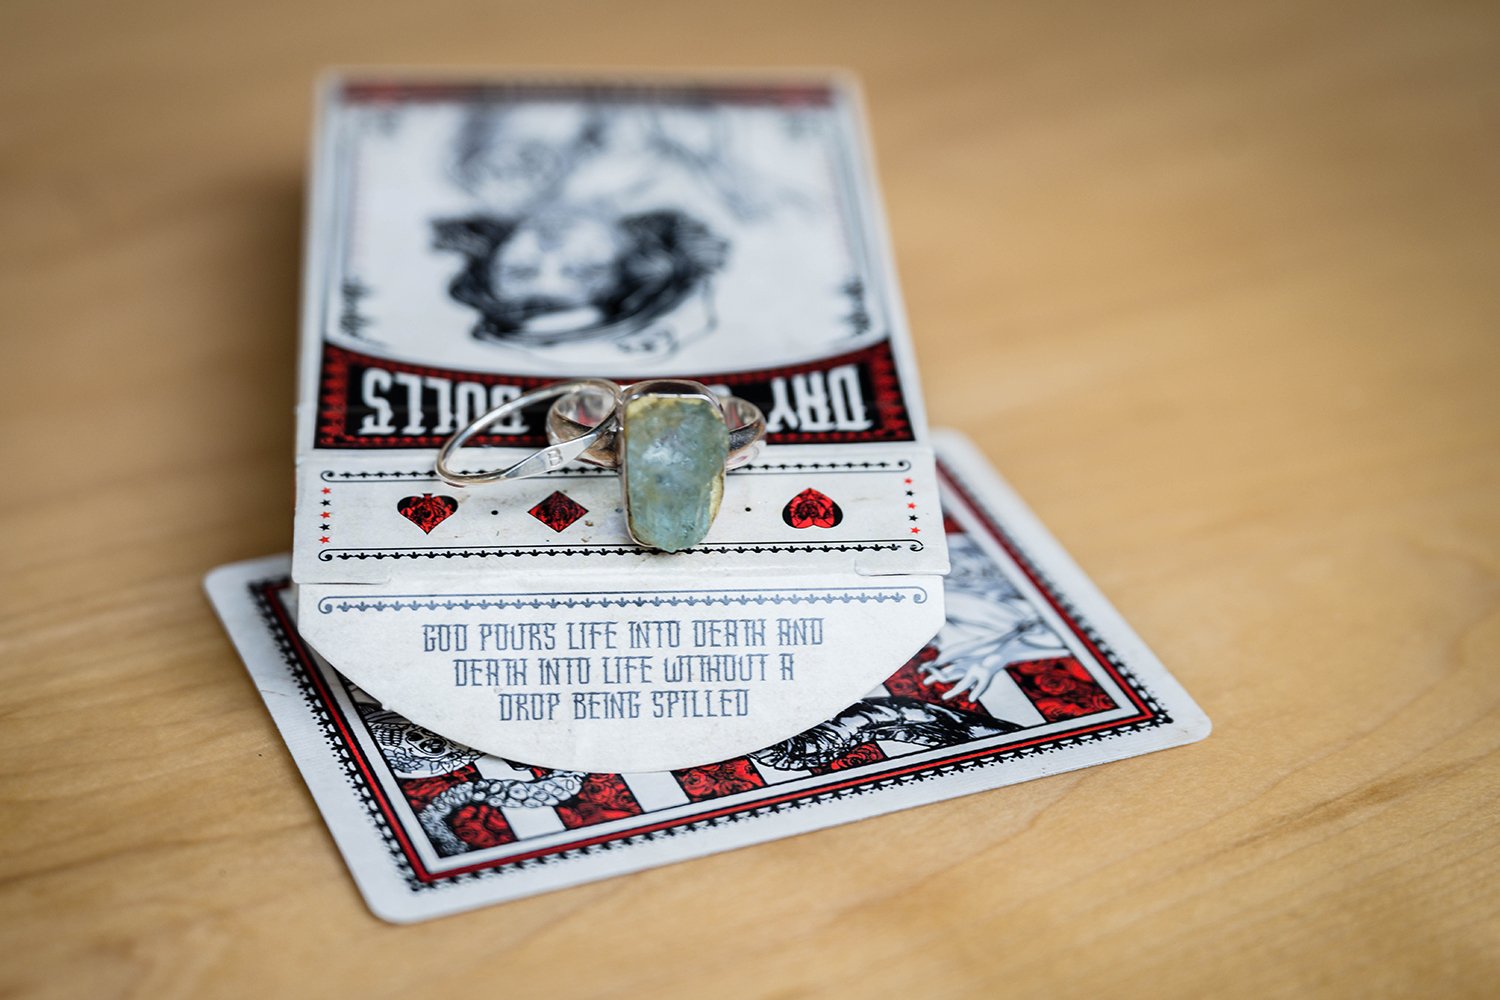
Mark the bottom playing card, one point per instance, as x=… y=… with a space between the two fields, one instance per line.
x=1033 y=674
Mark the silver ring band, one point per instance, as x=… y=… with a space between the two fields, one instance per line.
x=561 y=451
x=670 y=498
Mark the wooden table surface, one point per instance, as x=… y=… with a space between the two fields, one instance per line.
x=1214 y=285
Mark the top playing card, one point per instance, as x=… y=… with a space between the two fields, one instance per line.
x=471 y=241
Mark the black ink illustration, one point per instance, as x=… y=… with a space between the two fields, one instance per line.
x=597 y=220
x=903 y=720
x=568 y=275
x=990 y=625
x=419 y=757
x=411 y=750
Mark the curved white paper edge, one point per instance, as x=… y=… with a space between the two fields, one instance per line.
x=867 y=638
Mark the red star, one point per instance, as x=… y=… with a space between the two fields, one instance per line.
x=911 y=506
x=326 y=514
x=916 y=531
x=327 y=490
x=906 y=481
x=324 y=539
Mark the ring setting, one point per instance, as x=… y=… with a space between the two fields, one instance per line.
x=672 y=441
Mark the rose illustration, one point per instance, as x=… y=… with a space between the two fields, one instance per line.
x=812 y=509
x=715 y=780
x=480 y=825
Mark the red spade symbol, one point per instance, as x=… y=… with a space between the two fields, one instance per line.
x=427 y=511
x=812 y=509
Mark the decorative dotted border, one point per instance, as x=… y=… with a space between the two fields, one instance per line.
x=587 y=472
x=500 y=551
x=897 y=595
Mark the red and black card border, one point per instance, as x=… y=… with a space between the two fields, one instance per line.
x=338 y=365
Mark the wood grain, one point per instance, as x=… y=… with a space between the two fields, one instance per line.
x=1214 y=285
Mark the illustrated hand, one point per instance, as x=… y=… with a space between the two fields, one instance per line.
x=970 y=676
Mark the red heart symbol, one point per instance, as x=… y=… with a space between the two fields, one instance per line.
x=427 y=511
x=812 y=509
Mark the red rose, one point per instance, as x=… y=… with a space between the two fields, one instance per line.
x=865 y=753
x=1056 y=683
x=715 y=780
x=1053 y=709
x=1060 y=689
x=603 y=797
x=812 y=509
x=480 y=825
x=426 y=511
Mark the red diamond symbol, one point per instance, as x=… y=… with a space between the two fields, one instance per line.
x=558 y=511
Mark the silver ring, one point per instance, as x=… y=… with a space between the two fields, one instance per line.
x=560 y=452
x=672 y=441
x=572 y=415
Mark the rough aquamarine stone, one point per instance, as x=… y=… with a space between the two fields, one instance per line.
x=675 y=447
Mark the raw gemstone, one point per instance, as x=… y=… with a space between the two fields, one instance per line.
x=675 y=447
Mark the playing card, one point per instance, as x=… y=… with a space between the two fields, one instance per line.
x=1032 y=674
x=470 y=240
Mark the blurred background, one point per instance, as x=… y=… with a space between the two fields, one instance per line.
x=1214 y=285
